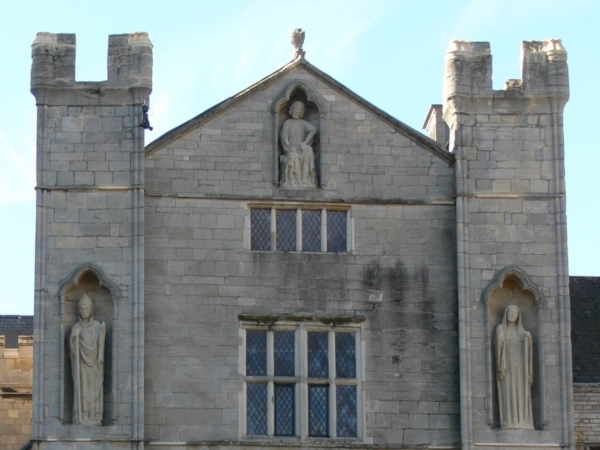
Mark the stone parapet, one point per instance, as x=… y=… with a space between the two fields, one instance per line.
x=543 y=86
x=53 y=71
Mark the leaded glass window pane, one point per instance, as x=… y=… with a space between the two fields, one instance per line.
x=336 y=231
x=318 y=410
x=260 y=224
x=318 y=361
x=311 y=231
x=347 y=425
x=256 y=353
x=284 y=409
x=345 y=355
x=284 y=353
x=286 y=230
x=257 y=409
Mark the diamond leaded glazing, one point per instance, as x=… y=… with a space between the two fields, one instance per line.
x=311 y=231
x=256 y=353
x=318 y=361
x=256 y=409
x=286 y=230
x=284 y=409
x=260 y=221
x=345 y=355
x=284 y=353
x=271 y=401
x=336 y=231
x=347 y=425
x=318 y=410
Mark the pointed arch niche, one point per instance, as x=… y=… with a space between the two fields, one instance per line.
x=314 y=113
x=512 y=286
x=91 y=280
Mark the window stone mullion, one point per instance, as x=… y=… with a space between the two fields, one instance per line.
x=298 y=230
x=323 y=230
x=273 y=229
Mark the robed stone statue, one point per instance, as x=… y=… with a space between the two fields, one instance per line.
x=298 y=159
x=513 y=349
x=87 y=361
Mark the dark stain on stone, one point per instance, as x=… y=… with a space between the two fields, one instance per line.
x=449 y=235
x=397 y=277
x=372 y=276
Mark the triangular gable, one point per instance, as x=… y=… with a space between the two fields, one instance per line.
x=398 y=125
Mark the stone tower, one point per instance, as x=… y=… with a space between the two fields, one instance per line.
x=90 y=215
x=511 y=235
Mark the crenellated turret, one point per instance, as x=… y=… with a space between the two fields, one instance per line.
x=90 y=222
x=511 y=229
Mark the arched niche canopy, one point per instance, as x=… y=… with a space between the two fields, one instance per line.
x=513 y=274
x=315 y=107
x=88 y=279
x=513 y=286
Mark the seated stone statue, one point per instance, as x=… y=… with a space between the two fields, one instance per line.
x=514 y=370
x=87 y=361
x=298 y=159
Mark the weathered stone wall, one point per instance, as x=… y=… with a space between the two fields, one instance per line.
x=16 y=377
x=200 y=274
x=586 y=405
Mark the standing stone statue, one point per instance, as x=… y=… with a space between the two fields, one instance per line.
x=87 y=361
x=298 y=158
x=514 y=370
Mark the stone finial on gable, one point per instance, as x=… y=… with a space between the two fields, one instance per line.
x=298 y=42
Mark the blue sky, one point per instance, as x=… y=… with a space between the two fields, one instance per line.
x=390 y=52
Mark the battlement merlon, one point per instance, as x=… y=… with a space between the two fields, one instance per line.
x=468 y=78
x=129 y=68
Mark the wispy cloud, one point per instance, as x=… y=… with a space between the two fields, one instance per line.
x=484 y=16
x=17 y=170
x=198 y=75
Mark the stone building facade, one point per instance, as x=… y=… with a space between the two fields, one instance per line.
x=16 y=377
x=296 y=268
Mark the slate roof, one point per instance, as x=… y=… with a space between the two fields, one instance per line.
x=401 y=127
x=585 y=328
x=14 y=326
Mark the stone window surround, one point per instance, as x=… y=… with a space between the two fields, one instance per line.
x=301 y=329
x=299 y=207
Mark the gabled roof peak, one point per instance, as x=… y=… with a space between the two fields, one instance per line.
x=401 y=127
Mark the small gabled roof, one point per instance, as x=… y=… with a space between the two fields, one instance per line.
x=585 y=332
x=14 y=326
x=401 y=127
